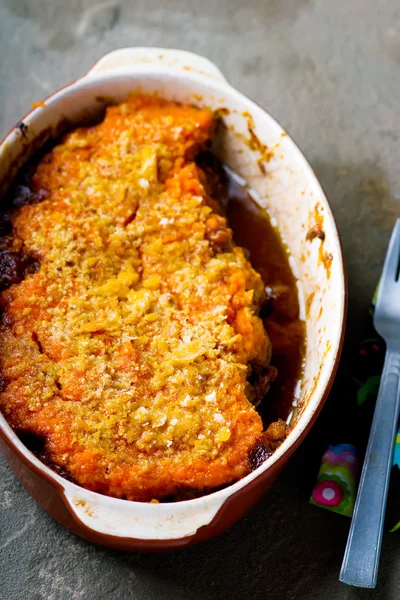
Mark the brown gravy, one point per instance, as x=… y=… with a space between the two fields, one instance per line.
x=253 y=230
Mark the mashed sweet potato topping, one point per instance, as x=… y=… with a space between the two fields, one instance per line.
x=129 y=349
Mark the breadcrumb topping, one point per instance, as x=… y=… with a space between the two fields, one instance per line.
x=129 y=349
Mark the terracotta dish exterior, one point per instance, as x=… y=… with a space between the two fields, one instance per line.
x=253 y=144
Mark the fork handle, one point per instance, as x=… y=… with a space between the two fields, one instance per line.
x=361 y=558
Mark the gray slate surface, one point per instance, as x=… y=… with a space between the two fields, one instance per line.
x=329 y=70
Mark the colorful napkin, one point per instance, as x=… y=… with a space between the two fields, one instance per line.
x=336 y=485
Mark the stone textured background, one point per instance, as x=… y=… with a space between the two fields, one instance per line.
x=329 y=71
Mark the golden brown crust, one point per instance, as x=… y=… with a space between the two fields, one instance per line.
x=129 y=349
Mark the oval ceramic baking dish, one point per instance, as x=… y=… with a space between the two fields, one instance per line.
x=256 y=147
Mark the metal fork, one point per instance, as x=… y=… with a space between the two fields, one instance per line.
x=361 y=558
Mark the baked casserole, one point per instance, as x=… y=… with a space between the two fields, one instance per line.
x=131 y=344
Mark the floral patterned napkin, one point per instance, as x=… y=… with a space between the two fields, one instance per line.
x=336 y=486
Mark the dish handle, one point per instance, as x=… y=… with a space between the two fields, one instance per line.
x=180 y=60
x=100 y=517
